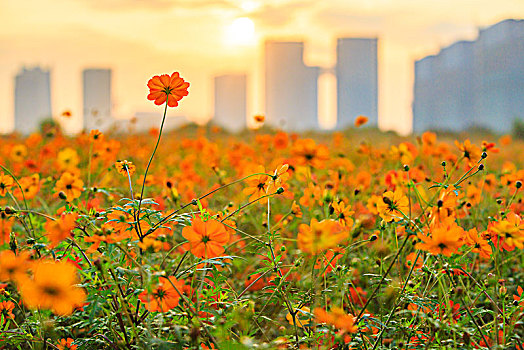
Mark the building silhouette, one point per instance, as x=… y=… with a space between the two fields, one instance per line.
x=230 y=102
x=357 y=80
x=97 y=99
x=473 y=83
x=290 y=87
x=32 y=99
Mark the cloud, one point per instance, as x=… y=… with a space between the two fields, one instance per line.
x=156 y=5
x=343 y=22
x=281 y=14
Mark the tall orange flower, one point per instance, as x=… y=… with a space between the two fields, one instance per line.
x=206 y=239
x=164 y=87
x=125 y=166
x=163 y=296
x=257 y=185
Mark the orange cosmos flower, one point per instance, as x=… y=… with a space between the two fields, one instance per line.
x=510 y=231
x=164 y=296
x=18 y=153
x=257 y=185
x=446 y=238
x=66 y=344
x=343 y=213
x=53 y=287
x=361 y=120
x=278 y=179
x=471 y=151
x=69 y=184
x=320 y=236
x=30 y=187
x=280 y=140
x=394 y=205
x=206 y=239
x=13 y=267
x=164 y=87
x=479 y=244
x=309 y=153
x=6 y=309
x=67 y=160
x=6 y=182
x=61 y=228
x=337 y=317
x=124 y=166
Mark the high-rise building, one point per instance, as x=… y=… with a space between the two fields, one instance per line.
x=499 y=76
x=290 y=87
x=32 y=99
x=448 y=75
x=357 y=80
x=97 y=99
x=230 y=102
x=473 y=83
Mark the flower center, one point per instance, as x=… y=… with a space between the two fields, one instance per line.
x=50 y=290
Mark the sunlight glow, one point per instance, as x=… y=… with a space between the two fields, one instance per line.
x=240 y=32
x=250 y=6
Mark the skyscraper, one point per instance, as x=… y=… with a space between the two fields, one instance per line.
x=97 y=99
x=32 y=99
x=473 y=83
x=291 y=87
x=449 y=76
x=230 y=102
x=357 y=80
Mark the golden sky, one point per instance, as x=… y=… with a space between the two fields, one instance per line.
x=141 y=38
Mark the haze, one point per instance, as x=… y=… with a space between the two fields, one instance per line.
x=139 y=39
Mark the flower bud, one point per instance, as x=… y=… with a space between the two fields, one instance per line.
x=9 y=210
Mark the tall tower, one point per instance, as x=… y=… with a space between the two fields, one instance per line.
x=357 y=80
x=97 y=99
x=32 y=99
x=230 y=102
x=291 y=87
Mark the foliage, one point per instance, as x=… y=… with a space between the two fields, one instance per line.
x=266 y=240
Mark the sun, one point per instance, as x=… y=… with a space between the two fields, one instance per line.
x=240 y=32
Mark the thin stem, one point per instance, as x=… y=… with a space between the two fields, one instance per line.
x=147 y=169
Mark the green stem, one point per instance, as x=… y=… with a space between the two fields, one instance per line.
x=147 y=170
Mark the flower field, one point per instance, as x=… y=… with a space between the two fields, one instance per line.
x=198 y=239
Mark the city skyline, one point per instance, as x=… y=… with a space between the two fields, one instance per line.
x=68 y=36
x=473 y=84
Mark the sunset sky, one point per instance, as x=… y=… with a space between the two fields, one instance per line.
x=141 y=38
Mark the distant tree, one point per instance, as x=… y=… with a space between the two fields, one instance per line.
x=518 y=128
x=50 y=128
